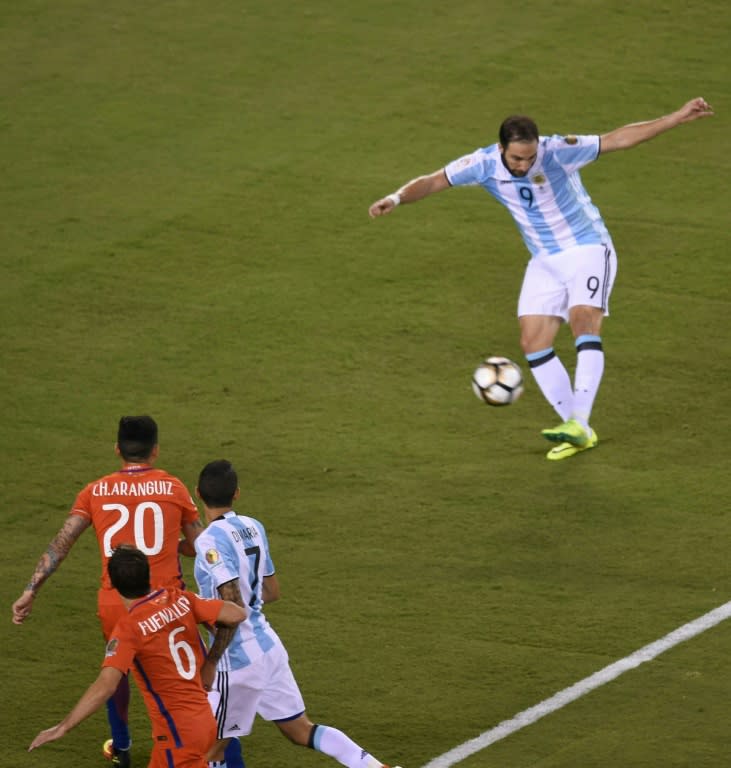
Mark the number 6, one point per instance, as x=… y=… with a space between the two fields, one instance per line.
x=177 y=651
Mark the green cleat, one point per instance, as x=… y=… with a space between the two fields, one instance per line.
x=564 y=450
x=569 y=432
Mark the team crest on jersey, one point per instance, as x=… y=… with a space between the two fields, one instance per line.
x=539 y=178
x=111 y=648
x=212 y=556
x=571 y=140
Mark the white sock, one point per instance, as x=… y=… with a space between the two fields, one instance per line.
x=553 y=380
x=336 y=744
x=588 y=377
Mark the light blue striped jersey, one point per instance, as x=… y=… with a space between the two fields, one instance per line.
x=236 y=547
x=552 y=209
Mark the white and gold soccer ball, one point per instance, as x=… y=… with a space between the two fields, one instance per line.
x=497 y=381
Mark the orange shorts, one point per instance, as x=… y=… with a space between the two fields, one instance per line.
x=192 y=754
x=110 y=610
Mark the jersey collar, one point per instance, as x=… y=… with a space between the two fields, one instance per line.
x=129 y=469
x=504 y=175
x=145 y=599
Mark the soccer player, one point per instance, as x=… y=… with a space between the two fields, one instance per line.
x=139 y=504
x=571 y=271
x=253 y=675
x=158 y=639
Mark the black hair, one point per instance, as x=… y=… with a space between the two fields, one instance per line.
x=517 y=128
x=136 y=437
x=129 y=571
x=217 y=484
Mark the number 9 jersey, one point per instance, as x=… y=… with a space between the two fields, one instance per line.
x=550 y=205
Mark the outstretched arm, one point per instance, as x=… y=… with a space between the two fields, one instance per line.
x=94 y=697
x=414 y=190
x=631 y=135
x=49 y=562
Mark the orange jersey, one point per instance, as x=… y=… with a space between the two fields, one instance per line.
x=143 y=506
x=159 y=640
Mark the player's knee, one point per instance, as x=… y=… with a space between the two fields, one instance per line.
x=585 y=319
x=526 y=343
x=534 y=342
x=538 y=332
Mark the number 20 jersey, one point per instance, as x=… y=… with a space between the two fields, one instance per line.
x=236 y=547
x=144 y=506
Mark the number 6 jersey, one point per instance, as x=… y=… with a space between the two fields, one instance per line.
x=159 y=641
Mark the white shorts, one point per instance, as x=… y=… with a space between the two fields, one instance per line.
x=582 y=275
x=267 y=688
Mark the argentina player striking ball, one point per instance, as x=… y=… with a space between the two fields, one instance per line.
x=570 y=274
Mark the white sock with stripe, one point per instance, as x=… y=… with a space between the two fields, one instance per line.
x=330 y=741
x=553 y=380
x=588 y=376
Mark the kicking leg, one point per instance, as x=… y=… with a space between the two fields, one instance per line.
x=537 y=333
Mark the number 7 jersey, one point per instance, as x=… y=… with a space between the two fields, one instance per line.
x=144 y=506
x=236 y=547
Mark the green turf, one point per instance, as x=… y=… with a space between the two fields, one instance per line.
x=184 y=191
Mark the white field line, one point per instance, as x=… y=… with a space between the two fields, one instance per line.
x=575 y=691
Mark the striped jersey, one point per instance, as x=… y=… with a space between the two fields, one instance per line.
x=235 y=547
x=550 y=205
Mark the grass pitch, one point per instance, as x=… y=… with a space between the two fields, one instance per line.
x=185 y=233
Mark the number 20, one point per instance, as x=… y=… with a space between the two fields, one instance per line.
x=139 y=515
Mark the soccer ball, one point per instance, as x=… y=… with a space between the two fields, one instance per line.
x=497 y=381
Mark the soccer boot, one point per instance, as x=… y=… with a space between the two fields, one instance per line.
x=570 y=431
x=564 y=450
x=118 y=757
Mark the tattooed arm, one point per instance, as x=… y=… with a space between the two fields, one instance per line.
x=49 y=562
x=224 y=633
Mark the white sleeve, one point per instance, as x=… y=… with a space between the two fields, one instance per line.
x=573 y=152
x=466 y=170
